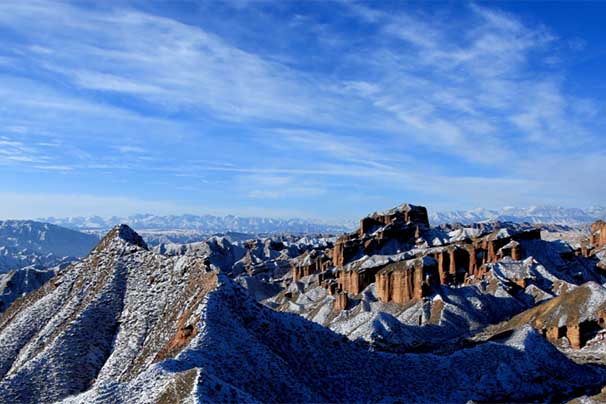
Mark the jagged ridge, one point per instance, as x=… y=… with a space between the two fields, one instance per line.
x=128 y=324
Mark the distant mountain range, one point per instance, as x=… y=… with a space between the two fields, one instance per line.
x=534 y=214
x=209 y=224
x=268 y=321
x=202 y=224
x=26 y=242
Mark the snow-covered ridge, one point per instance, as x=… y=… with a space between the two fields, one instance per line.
x=534 y=214
x=22 y=281
x=25 y=242
x=127 y=324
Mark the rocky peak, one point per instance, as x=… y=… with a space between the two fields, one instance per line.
x=410 y=213
x=124 y=233
x=405 y=214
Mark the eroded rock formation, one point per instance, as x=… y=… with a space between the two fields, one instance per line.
x=398 y=226
x=341 y=301
x=598 y=234
x=309 y=263
x=421 y=257
x=403 y=281
x=573 y=318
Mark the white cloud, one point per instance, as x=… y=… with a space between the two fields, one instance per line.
x=17 y=151
x=163 y=61
x=430 y=104
x=130 y=149
x=276 y=187
x=54 y=168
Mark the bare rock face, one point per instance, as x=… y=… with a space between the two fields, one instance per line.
x=598 y=234
x=404 y=281
x=577 y=315
x=459 y=259
x=341 y=301
x=595 y=244
x=310 y=262
x=405 y=213
x=402 y=225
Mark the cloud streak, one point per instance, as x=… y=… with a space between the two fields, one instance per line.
x=296 y=107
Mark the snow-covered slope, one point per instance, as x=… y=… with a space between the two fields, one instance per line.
x=535 y=214
x=446 y=317
x=22 y=281
x=130 y=325
x=207 y=224
x=25 y=242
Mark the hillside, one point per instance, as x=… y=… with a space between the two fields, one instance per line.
x=25 y=242
x=127 y=324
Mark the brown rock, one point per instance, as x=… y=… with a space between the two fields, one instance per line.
x=405 y=223
x=351 y=281
x=443 y=259
x=340 y=301
x=573 y=333
x=460 y=262
x=513 y=249
x=309 y=263
x=401 y=282
x=598 y=234
x=516 y=251
x=553 y=334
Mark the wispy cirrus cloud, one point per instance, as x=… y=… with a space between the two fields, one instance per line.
x=296 y=106
x=165 y=62
x=16 y=151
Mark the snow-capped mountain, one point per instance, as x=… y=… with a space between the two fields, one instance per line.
x=535 y=214
x=25 y=242
x=189 y=228
x=207 y=224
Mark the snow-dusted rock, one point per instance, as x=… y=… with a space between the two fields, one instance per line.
x=25 y=242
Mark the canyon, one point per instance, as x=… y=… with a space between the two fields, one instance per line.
x=235 y=320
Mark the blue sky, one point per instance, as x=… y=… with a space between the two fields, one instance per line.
x=311 y=109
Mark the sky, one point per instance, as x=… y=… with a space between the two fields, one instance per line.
x=310 y=109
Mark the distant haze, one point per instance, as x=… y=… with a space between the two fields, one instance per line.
x=256 y=225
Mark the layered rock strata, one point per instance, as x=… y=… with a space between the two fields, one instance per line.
x=414 y=268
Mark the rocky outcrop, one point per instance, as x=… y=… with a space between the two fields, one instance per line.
x=403 y=281
x=578 y=316
x=577 y=334
x=595 y=243
x=512 y=249
x=341 y=301
x=462 y=260
x=310 y=263
x=400 y=226
x=417 y=258
x=597 y=237
x=405 y=213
